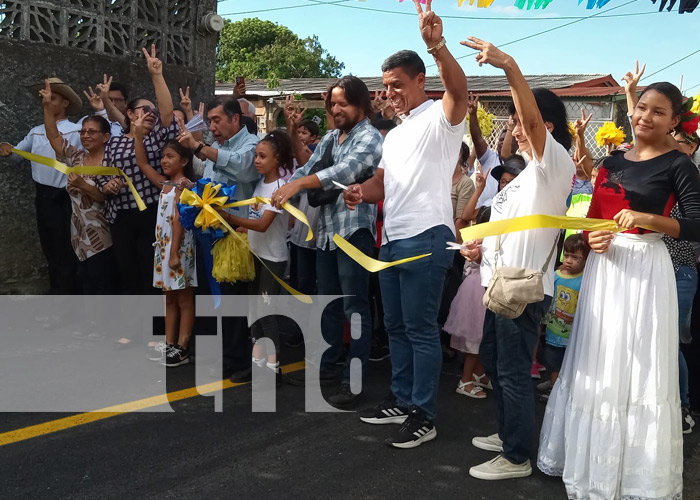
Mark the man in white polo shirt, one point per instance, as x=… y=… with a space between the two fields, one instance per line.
x=415 y=179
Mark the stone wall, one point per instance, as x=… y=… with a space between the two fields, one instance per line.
x=78 y=41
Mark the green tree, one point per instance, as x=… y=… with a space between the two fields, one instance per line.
x=254 y=49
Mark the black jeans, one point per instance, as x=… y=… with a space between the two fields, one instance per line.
x=98 y=274
x=53 y=212
x=133 y=234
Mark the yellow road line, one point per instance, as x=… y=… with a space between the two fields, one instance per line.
x=61 y=424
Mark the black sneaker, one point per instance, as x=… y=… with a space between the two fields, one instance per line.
x=379 y=353
x=177 y=356
x=242 y=376
x=344 y=398
x=326 y=379
x=388 y=412
x=416 y=429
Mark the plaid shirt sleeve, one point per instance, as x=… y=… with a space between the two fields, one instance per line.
x=364 y=154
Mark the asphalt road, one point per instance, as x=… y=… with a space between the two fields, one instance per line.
x=196 y=453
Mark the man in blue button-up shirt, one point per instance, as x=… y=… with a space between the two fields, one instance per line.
x=230 y=160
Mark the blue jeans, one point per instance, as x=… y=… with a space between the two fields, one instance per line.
x=686 y=285
x=338 y=274
x=506 y=353
x=411 y=294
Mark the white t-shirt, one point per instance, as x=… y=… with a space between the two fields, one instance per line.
x=489 y=161
x=36 y=142
x=272 y=244
x=419 y=157
x=541 y=189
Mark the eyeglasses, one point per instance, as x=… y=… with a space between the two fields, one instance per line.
x=117 y=99
x=90 y=132
x=145 y=108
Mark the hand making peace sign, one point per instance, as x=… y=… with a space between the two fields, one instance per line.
x=155 y=66
x=430 y=24
x=488 y=53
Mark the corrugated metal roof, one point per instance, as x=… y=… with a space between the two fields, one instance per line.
x=477 y=84
x=572 y=92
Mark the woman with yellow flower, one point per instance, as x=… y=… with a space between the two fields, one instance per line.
x=612 y=427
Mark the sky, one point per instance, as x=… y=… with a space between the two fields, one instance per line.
x=362 y=38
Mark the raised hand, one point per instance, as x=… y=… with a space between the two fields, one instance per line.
x=103 y=88
x=200 y=111
x=46 y=93
x=472 y=104
x=378 y=104
x=480 y=178
x=155 y=66
x=293 y=113
x=185 y=101
x=488 y=53
x=138 y=124
x=430 y=24
x=581 y=124
x=631 y=79
x=185 y=136
x=94 y=99
x=239 y=89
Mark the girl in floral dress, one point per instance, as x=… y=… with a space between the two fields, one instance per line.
x=174 y=259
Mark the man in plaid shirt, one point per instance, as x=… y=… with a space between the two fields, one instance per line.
x=357 y=149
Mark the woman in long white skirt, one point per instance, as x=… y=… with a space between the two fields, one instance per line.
x=612 y=427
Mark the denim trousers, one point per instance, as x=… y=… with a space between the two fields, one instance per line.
x=686 y=284
x=411 y=295
x=506 y=353
x=338 y=274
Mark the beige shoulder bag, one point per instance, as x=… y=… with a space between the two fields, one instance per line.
x=511 y=289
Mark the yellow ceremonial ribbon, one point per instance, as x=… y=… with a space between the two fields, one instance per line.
x=82 y=169
x=538 y=221
x=372 y=265
x=293 y=211
x=210 y=217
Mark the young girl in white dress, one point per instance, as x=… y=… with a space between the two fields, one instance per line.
x=174 y=269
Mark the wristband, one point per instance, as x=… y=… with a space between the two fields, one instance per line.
x=199 y=148
x=440 y=44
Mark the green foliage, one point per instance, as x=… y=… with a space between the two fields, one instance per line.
x=257 y=49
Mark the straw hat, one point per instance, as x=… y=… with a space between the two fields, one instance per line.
x=63 y=89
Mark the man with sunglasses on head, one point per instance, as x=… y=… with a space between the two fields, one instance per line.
x=53 y=206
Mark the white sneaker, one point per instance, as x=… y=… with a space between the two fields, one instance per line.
x=489 y=443
x=500 y=468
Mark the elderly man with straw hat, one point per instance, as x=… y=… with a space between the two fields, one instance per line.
x=53 y=208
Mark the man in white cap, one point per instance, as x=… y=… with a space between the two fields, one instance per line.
x=53 y=207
